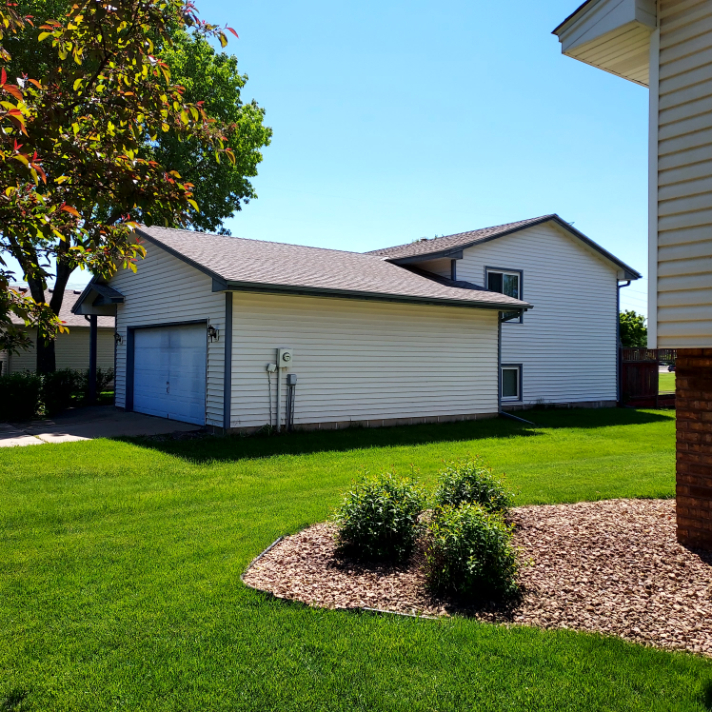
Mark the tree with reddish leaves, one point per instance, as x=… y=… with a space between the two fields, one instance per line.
x=77 y=172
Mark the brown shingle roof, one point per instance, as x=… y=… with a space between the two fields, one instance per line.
x=256 y=265
x=65 y=313
x=442 y=246
x=454 y=242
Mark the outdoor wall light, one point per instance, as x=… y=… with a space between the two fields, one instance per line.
x=213 y=333
x=118 y=339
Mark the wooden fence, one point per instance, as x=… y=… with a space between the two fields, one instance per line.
x=640 y=377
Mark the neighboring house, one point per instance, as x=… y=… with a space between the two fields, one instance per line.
x=667 y=45
x=565 y=350
x=371 y=343
x=72 y=348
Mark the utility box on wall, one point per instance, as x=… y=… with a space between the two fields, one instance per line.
x=285 y=358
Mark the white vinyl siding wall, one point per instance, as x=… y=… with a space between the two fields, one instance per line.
x=71 y=351
x=567 y=343
x=361 y=361
x=166 y=290
x=684 y=190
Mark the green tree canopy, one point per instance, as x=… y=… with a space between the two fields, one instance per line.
x=633 y=331
x=121 y=113
x=219 y=188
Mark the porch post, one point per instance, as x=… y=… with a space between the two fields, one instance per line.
x=93 y=323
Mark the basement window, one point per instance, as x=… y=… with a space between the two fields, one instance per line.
x=512 y=382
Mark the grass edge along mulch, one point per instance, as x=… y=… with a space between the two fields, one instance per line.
x=612 y=567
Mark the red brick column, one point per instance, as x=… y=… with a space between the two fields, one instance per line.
x=693 y=402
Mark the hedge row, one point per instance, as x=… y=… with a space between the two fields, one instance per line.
x=26 y=395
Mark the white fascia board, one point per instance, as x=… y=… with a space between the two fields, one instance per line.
x=600 y=22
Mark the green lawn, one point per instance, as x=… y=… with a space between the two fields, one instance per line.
x=666 y=384
x=120 y=569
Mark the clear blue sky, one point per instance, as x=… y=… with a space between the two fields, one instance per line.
x=397 y=120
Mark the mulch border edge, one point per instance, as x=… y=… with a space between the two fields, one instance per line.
x=354 y=609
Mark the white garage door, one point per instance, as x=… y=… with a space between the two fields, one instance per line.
x=169 y=372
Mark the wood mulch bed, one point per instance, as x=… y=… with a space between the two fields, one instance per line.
x=612 y=567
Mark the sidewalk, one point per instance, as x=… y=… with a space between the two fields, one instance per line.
x=103 y=421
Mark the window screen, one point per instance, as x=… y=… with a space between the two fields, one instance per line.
x=510 y=382
x=510 y=285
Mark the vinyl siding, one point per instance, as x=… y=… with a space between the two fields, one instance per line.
x=71 y=351
x=684 y=176
x=363 y=361
x=165 y=290
x=567 y=342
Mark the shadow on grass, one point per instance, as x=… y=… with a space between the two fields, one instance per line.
x=707 y=695
x=208 y=448
x=16 y=701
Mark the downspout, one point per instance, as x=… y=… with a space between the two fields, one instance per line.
x=499 y=362
x=499 y=376
x=618 y=340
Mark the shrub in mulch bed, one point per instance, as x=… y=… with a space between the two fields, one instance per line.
x=612 y=567
x=470 y=482
x=469 y=553
x=378 y=519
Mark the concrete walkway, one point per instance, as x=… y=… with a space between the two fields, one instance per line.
x=86 y=424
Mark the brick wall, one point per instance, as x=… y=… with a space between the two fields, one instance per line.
x=694 y=447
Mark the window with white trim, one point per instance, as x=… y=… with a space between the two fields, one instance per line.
x=509 y=283
x=511 y=382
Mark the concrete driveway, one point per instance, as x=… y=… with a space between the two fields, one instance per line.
x=86 y=424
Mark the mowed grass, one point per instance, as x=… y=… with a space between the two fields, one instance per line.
x=666 y=383
x=120 y=569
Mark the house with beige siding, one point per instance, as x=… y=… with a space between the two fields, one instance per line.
x=71 y=348
x=563 y=352
x=238 y=334
x=666 y=45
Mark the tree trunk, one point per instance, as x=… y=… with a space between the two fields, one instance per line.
x=46 y=361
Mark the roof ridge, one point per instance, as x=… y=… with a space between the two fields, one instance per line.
x=264 y=242
x=464 y=232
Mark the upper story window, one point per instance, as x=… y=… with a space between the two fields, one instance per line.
x=505 y=282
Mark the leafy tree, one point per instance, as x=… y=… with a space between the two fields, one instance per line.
x=633 y=331
x=86 y=149
x=12 y=302
x=219 y=188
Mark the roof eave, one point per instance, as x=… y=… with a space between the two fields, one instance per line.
x=629 y=271
x=611 y=35
x=238 y=286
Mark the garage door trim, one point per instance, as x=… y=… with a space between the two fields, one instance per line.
x=130 y=351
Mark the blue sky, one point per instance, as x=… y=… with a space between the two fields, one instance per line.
x=396 y=120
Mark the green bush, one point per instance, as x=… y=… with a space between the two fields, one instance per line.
x=25 y=395
x=378 y=519
x=471 y=482
x=104 y=378
x=19 y=396
x=58 y=389
x=470 y=553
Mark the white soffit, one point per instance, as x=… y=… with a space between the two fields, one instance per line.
x=613 y=35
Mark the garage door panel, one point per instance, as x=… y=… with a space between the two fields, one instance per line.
x=170 y=371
